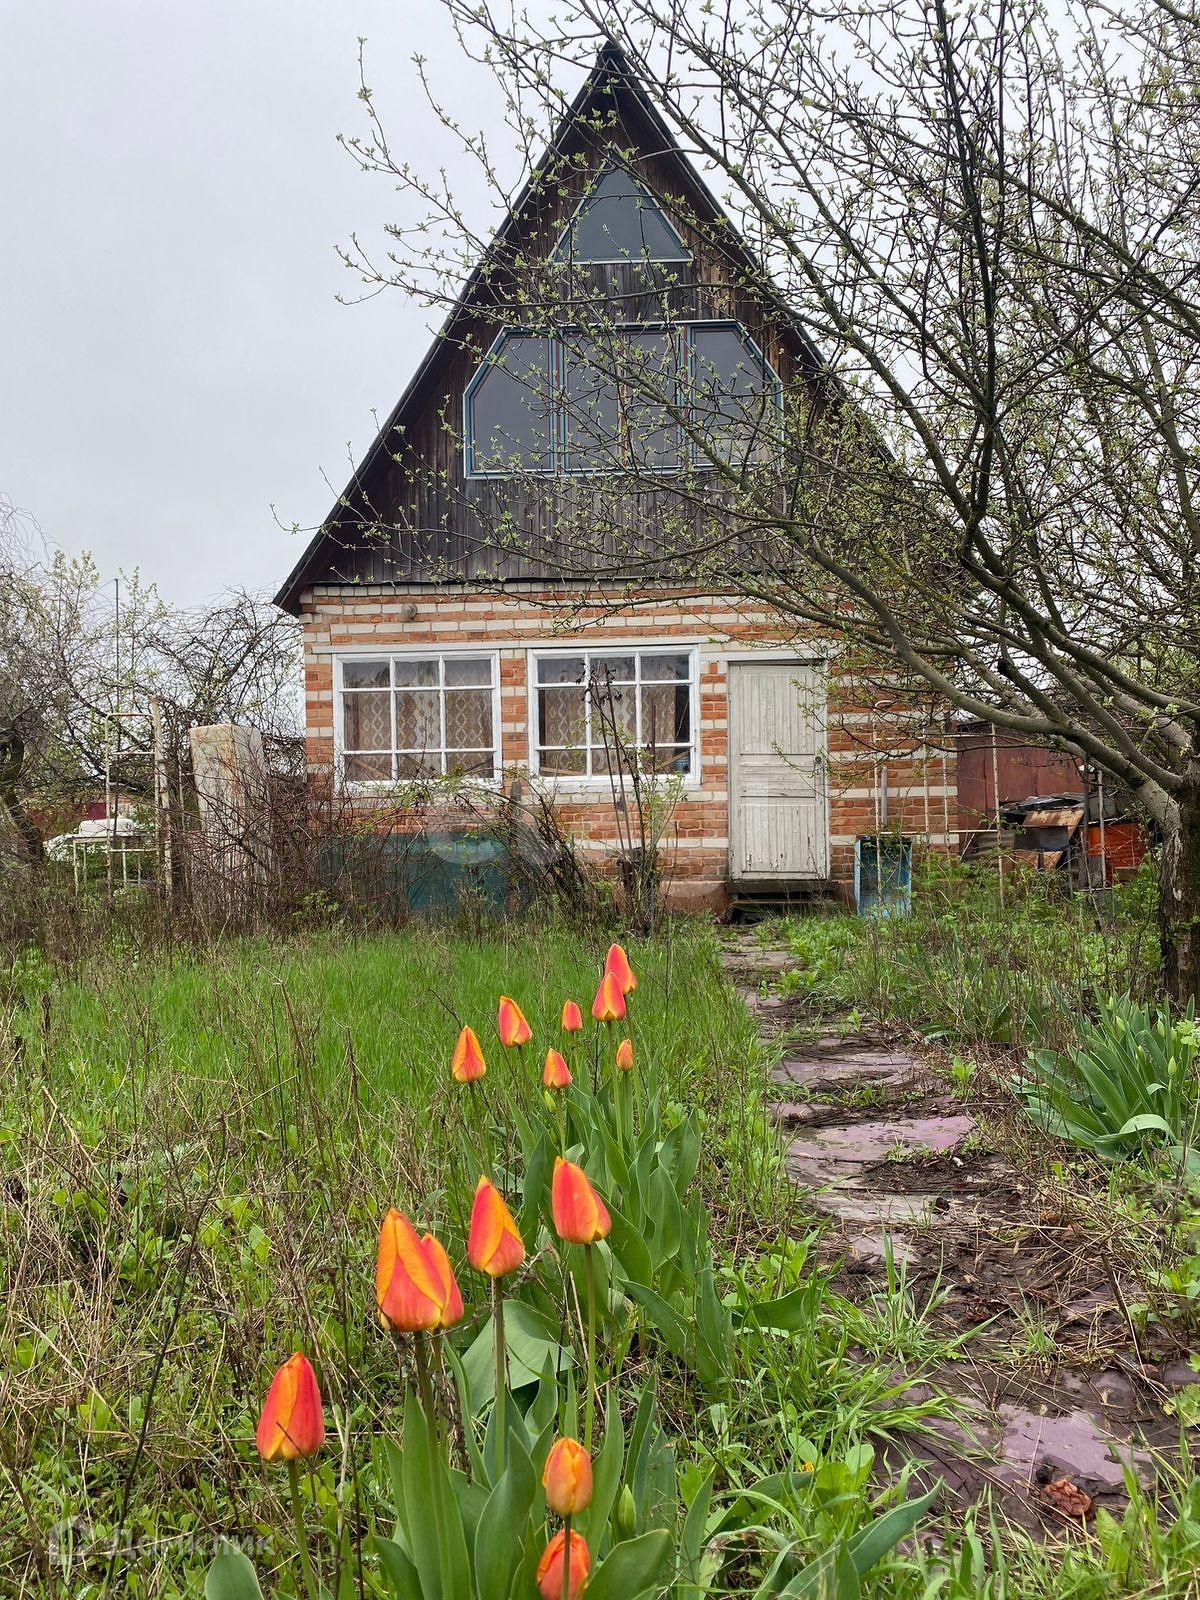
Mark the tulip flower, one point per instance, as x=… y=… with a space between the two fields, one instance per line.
x=493 y=1244
x=555 y=1074
x=510 y=1021
x=567 y=1478
x=580 y=1217
x=414 y=1286
x=625 y=1055
x=292 y=1423
x=579 y=1213
x=616 y=964
x=609 y=1004
x=467 y=1063
x=572 y=1017
x=550 y=1580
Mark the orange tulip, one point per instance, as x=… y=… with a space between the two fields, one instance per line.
x=572 y=1017
x=567 y=1478
x=609 y=1004
x=414 y=1286
x=292 y=1423
x=625 y=1055
x=493 y=1244
x=580 y=1216
x=555 y=1074
x=550 y=1567
x=511 y=1022
x=467 y=1063
x=616 y=963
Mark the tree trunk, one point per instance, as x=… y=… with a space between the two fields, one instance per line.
x=12 y=759
x=1179 y=900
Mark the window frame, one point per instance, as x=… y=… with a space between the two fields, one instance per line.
x=342 y=658
x=691 y=457
x=589 y=779
x=696 y=459
x=567 y=258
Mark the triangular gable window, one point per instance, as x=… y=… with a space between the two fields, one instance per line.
x=619 y=220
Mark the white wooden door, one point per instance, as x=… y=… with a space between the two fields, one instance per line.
x=778 y=812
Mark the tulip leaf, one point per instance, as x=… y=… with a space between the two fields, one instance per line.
x=667 y=1322
x=629 y=1247
x=631 y=1568
x=433 y=1525
x=497 y=1552
x=530 y=1340
x=714 y=1332
x=231 y=1576
x=690 y=1583
x=397 y=1570
x=832 y=1576
x=789 y=1313
x=606 y=1473
x=871 y=1543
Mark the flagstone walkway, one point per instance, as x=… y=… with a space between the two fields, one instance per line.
x=878 y=1145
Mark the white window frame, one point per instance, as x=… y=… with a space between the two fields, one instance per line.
x=385 y=785
x=618 y=647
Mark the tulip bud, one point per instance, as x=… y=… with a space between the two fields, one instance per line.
x=511 y=1024
x=625 y=1055
x=493 y=1244
x=579 y=1213
x=616 y=963
x=467 y=1063
x=550 y=1567
x=555 y=1074
x=572 y=1017
x=626 y=1513
x=292 y=1423
x=414 y=1285
x=567 y=1478
x=609 y=1004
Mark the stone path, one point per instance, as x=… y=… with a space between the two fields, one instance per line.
x=880 y=1148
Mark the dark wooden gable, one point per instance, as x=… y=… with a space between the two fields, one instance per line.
x=411 y=514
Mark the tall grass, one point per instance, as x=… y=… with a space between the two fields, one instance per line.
x=194 y=1155
x=968 y=966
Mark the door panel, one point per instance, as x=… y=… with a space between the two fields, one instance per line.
x=778 y=816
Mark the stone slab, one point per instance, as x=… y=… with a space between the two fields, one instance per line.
x=865 y=1144
x=842 y=1071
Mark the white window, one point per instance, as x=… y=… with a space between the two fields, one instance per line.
x=595 y=710
x=402 y=717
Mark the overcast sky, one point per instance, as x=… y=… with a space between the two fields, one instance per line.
x=175 y=362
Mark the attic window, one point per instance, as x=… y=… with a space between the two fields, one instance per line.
x=619 y=220
x=572 y=403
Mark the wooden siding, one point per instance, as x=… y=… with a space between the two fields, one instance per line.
x=414 y=516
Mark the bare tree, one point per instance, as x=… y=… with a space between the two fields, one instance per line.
x=990 y=226
x=82 y=659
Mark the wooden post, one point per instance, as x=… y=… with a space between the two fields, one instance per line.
x=162 y=805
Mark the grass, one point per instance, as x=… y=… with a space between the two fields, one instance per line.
x=965 y=968
x=195 y=1151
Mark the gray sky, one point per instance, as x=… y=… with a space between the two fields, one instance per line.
x=174 y=358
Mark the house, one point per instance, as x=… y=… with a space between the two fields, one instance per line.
x=500 y=588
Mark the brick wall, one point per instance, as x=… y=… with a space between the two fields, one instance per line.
x=862 y=738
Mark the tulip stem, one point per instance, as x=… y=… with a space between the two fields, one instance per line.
x=501 y=1372
x=424 y=1387
x=301 y=1537
x=590 y=1405
x=566 y=1570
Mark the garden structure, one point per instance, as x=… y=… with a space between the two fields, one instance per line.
x=497 y=592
